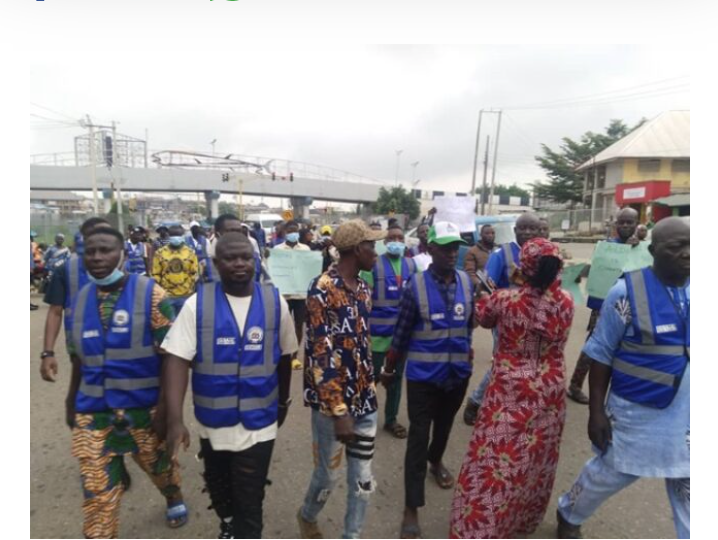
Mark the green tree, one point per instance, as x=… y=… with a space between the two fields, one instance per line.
x=512 y=191
x=398 y=201
x=228 y=208
x=565 y=184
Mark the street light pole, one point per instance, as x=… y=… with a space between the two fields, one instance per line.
x=212 y=143
x=93 y=163
x=413 y=173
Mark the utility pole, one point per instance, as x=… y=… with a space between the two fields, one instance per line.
x=413 y=174
x=483 y=185
x=476 y=159
x=120 y=220
x=493 y=172
x=240 y=208
x=93 y=163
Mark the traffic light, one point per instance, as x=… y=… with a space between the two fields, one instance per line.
x=107 y=148
x=274 y=176
x=291 y=177
x=225 y=177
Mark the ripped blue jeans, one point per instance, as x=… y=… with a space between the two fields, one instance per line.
x=327 y=468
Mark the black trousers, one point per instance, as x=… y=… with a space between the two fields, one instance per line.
x=428 y=404
x=298 y=309
x=235 y=482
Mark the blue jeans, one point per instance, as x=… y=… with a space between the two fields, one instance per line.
x=477 y=396
x=598 y=481
x=327 y=462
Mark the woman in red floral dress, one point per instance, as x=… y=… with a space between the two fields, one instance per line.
x=508 y=473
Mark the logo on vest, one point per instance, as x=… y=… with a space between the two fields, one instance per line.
x=459 y=311
x=254 y=337
x=90 y=334
x=437 y=316
x=120 y=317
x=665 y=328
x=226 y=341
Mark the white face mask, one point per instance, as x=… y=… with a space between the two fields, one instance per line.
x=112 y=278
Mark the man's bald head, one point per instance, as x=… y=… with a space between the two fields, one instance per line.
x=671 y=249
x=668 y=228
x=527 y=227
x=626 y=223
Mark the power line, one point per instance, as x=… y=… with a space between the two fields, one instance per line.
x=54 y=120
x=74 y=119
x=602 y=96
x=629 y=97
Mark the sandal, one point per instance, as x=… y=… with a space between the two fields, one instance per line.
x=397 y=430
x=177 y=515
x=442 y=476
x=410 y=531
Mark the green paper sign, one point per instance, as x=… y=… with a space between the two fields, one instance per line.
x=292 y=271
x=610 y=260
x=568 y=282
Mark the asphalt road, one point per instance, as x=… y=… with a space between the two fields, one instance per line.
x=640 y=511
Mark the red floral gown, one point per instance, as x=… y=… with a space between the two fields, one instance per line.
x=508 y=473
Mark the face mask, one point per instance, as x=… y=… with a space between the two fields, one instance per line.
x=110 y=279
x=293 y=237
x=176 y=241
x=395 y=248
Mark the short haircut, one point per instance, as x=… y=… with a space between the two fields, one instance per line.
x=395 y=226
x=92 y=222
x=291 y=223
x=221 y=220
x=231 y=238
x=108 y=231
x=486 y=226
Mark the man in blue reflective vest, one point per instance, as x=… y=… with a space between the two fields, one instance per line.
x=502 y=271
x=641 y=348
x=433 y=331
x=390 y=275
x=66 y=281
x=227 y=223
x=626 y=225
x=136 y=251
x=238 y=337
x=113 y=403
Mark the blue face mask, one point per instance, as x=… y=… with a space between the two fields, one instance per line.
x=396 y=248
x=110 y=279
x=176 y=241
x=293 y=237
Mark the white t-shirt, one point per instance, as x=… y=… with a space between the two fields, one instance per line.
x=423 y=260
x=181 y=340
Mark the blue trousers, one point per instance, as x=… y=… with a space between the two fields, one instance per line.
x=598 y=482
x=327 y=467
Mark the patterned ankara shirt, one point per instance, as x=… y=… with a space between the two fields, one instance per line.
x=339 y=375
x=176 y=270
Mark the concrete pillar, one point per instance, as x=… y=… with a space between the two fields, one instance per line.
x=300 y=205
x=212 y=200
x=106 y=200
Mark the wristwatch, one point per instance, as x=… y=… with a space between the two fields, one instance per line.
x=46 y=354
x=286 y=404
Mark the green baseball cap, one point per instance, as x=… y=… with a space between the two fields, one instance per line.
x=444 y=232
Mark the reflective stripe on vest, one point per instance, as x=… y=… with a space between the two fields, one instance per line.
x=380 y=282
x=644 y=371
x=137 y=350
x=208 y=366
x=228 y=378
x=440 y=344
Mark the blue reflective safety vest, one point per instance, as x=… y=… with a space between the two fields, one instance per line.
x=648 y=366
x=234 y=377
x=120 y=368
x=135 y=258
x=75 y=279
x=440 y=343
x=386 y=294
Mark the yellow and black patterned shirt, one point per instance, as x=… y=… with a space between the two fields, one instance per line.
x=176 y=270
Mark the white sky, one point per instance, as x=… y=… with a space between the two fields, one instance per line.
x=351 y=108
